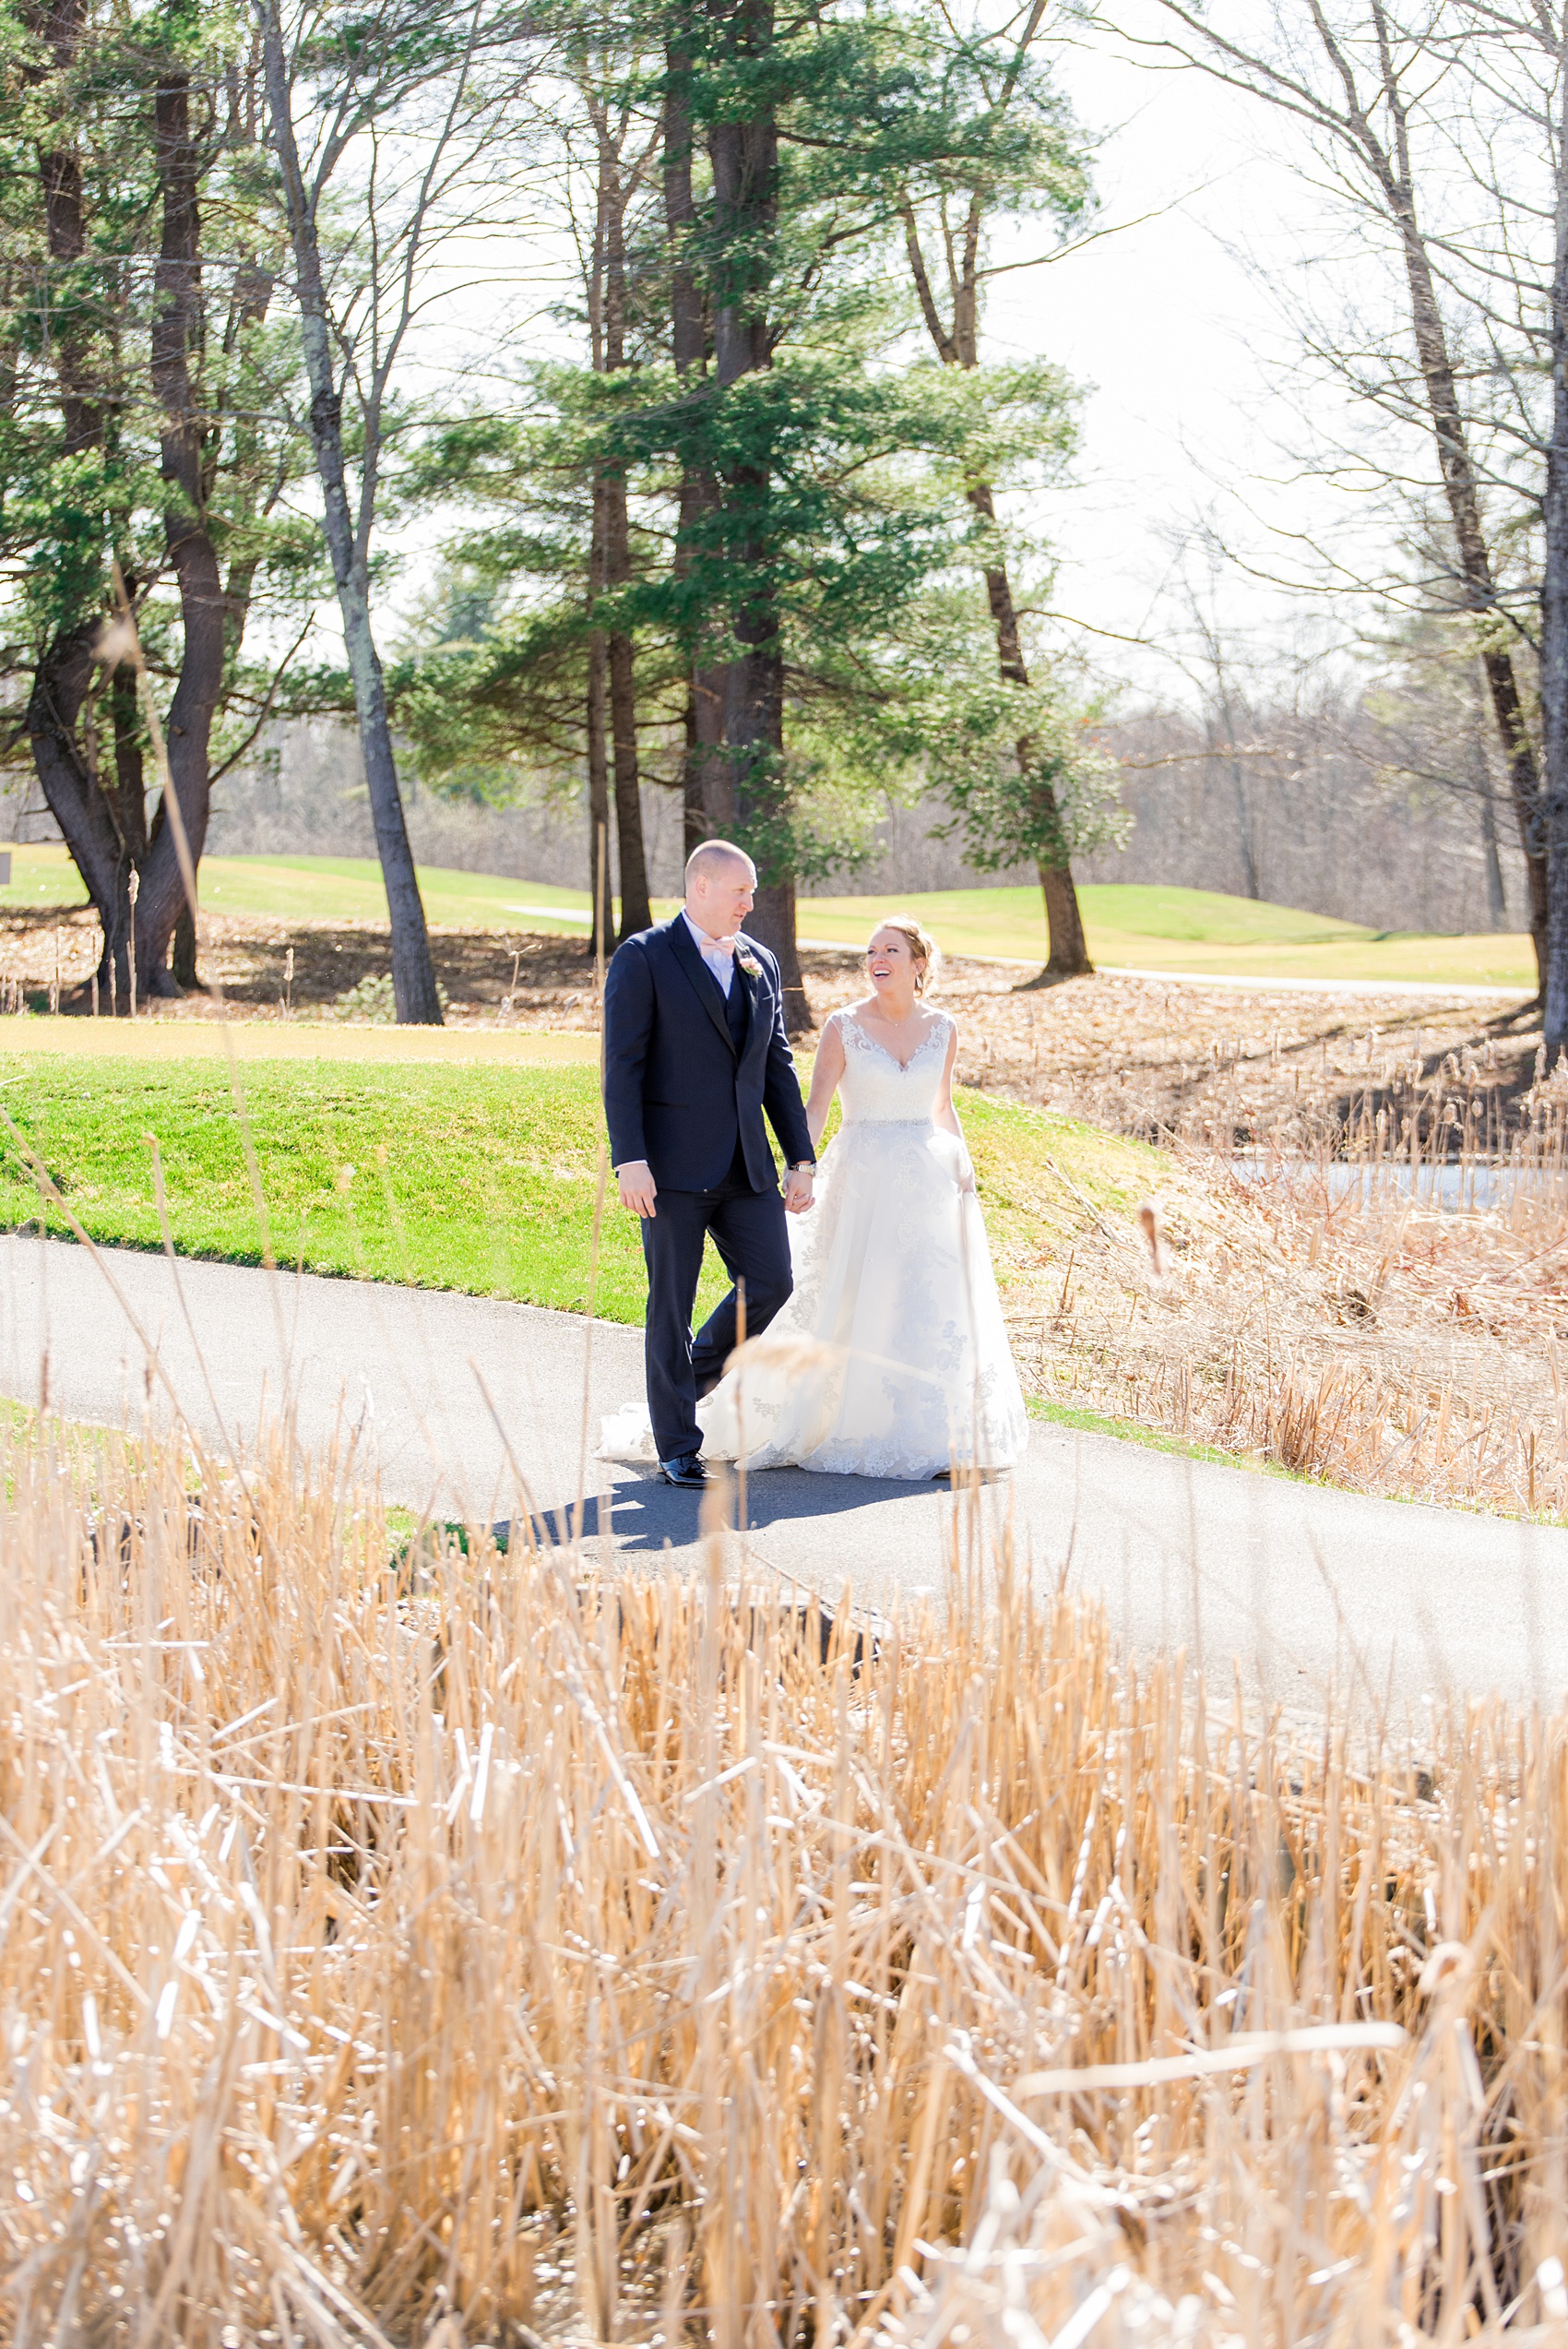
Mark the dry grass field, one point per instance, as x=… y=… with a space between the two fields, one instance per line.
x=445 y=1946
x=1367 y=1338
x=1361 y=1332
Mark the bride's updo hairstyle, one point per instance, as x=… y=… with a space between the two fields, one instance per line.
x=925 y=952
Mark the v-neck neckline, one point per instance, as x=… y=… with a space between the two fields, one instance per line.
x=865 y=1033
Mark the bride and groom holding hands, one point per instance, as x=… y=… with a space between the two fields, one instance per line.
x=887 y=1354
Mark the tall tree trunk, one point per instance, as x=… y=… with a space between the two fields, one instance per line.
x=251 y=299
x=182 y=951
x=1480 y=773
x=710 y=789
x=81 y=808
x=129 y=792
x=413 y=973
x=58 y=24
x=63 y=672
x=694 y=821
x=1385 y=158
x=636 y=912
x=745 y=156
x=249 y=302
x=1394 y=176
x=1064 y=925
x=1496 y=899
x=1476 y=577
x=707 y=800
x=1554 y=645
x=603 y=930
x=1068 y=954
x=165 y=887
x=1245 y=836
x=597 y=748
x=1250 y=887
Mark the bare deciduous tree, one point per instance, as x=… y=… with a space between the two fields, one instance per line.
x=705 y=774
x=1357 y=83
x=380 y=117
x=1510 y=63
x=958 y=222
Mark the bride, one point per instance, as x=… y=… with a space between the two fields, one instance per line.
x=891 y=1357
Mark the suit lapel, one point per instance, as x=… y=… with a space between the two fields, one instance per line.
x=749 y=996
x=704 y=985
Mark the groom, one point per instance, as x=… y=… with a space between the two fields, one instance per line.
x=694 y=1052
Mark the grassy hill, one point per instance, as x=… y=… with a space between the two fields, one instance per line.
x=479 y=1174
x=1130 y=927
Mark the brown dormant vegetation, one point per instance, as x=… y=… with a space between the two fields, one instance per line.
x=517 y=978
x=1363 y=1336
x=1374 y=1291
x=427 y=1948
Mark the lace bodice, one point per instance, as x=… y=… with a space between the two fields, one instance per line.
x=875 y=1090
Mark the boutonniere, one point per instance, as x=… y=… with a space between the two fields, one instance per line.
x=748 y=962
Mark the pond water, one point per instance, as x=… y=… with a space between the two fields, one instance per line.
x=1453 y=1188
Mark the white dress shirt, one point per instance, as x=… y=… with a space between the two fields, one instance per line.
x=721 y=960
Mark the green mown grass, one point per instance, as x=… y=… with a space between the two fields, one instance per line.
x=1078 y=1420
x=323 y=889
x=1157 y=917
x=471 y=1178
x=1133 y=927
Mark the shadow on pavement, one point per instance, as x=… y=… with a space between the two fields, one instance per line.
x=646 y=1514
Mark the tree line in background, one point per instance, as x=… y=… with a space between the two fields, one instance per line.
x=1353 y=771
x=1314 y=791
x=737 y=533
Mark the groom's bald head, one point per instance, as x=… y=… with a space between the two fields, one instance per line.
x=714 y=857
x=720 y=883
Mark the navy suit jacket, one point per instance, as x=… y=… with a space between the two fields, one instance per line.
x=677 y=1092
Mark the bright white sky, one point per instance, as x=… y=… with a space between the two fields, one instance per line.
x=1192 y=401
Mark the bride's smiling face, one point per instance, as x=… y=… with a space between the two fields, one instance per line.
x=893 y=970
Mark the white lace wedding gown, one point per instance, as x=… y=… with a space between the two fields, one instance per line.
x=891 y=1358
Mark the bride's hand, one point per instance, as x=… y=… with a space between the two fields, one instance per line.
x=798 y=1189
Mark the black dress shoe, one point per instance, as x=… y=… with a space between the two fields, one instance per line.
x=687 y=1472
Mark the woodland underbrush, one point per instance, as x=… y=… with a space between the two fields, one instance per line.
x=439 y=1942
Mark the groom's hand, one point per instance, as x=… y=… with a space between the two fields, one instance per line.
x=639 y=1190
x=798 y=1189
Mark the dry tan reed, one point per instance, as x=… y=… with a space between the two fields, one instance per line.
x=1329 y=1311
x=403 y=1950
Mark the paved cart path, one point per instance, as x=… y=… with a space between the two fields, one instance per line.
x=1302 y=1586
